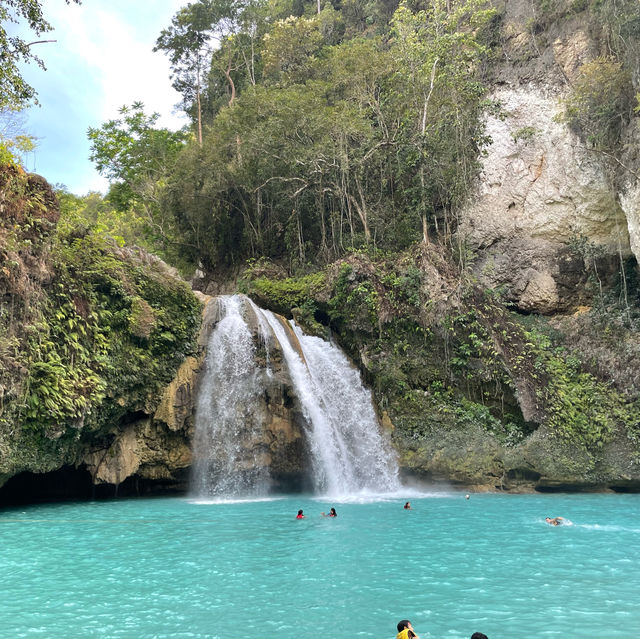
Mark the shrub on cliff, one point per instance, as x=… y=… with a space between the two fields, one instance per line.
x=600 y=103
x=89 y=330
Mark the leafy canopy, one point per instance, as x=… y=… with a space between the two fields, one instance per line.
x=15 y=91
x=132 y=153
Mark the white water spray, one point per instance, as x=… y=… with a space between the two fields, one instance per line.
x=348 y=454
x=228 y=433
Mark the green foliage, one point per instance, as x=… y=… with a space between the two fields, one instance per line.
x=188 y=44
x=208 y=40
x=6 y=156
x=103 y=336
x=284 y=294
x=135 y=156
x=289 y=48
x=138 y=159
x=600 y=103
x=354 y=301
x=15 y=91
x=524 y=134
x=332 y=144
x=404 y=288
x=14 y=140
x=620 y=22
x=579 y=408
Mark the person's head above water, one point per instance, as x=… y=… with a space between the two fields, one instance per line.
x=300 y=512
x=408 y=505
x=333 y=513
x=405 y=630
x=479 y=635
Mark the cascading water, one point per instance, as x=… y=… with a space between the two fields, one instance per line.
x=348 y=454
x=228 y=433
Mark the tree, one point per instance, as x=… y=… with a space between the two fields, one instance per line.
x=189 y=43
x=137 y=158
x=13 y=139
x=340 y=144
x=15 y=92
x=438 y=53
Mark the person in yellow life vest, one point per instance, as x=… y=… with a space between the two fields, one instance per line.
x=405 y=630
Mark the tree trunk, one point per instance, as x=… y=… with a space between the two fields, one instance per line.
x=361 y=209
x=232 y=86
x=425 y=230
x=199 y=104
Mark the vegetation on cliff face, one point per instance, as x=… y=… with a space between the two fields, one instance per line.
x=330 y=151
x=90 y=331
x=468 y=384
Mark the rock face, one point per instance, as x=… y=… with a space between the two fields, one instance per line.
x=473 y=458
x=158 y=448
x=540 y=190
x=630 y=192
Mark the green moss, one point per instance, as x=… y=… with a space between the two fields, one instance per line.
x=284 y=294
x=103 y=338
x=580 y=408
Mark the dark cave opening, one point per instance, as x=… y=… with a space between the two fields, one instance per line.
x=75 y=484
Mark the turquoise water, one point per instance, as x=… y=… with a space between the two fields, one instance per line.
x=174 y=568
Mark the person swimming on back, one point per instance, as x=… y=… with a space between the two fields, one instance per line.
x=300 y=515
x=554 y=521
x=332 y=513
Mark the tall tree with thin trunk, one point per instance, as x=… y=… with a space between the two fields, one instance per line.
x=189 y=43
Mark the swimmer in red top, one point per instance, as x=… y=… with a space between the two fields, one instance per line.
x=300 y=515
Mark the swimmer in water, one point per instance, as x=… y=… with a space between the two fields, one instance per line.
x=300 y=515
x=405 y=630
x=332 y=513
x=407 y=506
x=555 y=521
x=466 y=496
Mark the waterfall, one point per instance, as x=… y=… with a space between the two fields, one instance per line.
x=228 y=433
x=348 y=454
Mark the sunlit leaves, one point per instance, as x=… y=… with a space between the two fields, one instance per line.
x=15 y=91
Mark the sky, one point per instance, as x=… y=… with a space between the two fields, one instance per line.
x=102 y=59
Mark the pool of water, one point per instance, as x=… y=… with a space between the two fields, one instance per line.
x=177 y=568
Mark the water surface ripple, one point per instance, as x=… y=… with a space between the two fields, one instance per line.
x=160 y=568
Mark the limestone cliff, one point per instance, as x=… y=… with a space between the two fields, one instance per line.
x=542 y=187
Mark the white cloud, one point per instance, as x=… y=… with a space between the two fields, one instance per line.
x=102 y=59
x=116 y=48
